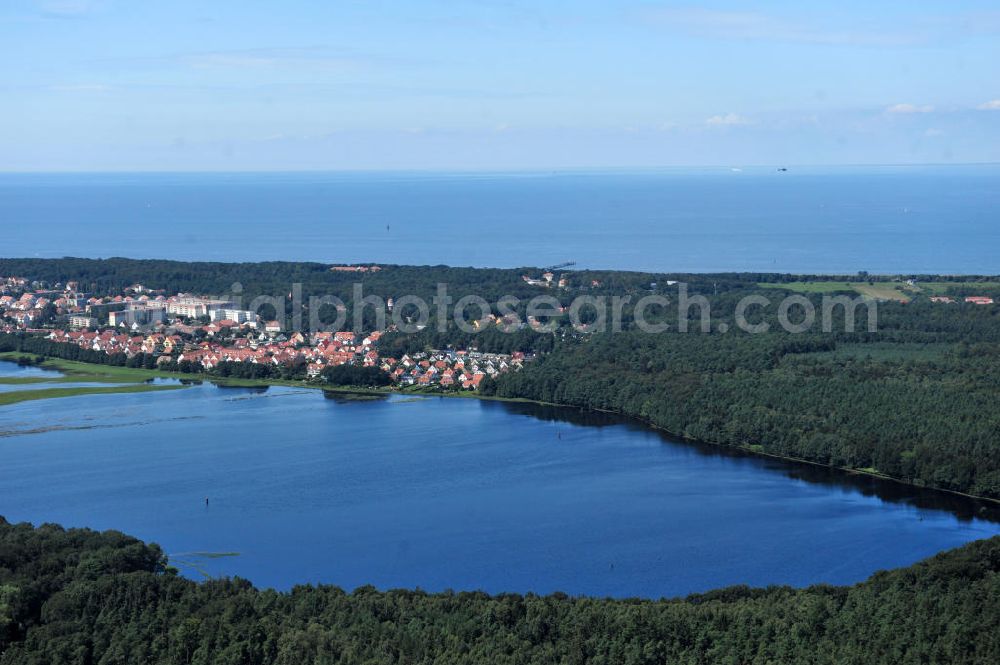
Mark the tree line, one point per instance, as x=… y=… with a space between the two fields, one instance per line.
x=915 y=400
x=80 y=597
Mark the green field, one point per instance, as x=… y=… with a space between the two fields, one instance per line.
x=899 y=291
x=76 y=372
x=877 y=290
x=133 y=380
x=16 y=396
x=972 y=288
x=123 y=380
x=810 y=287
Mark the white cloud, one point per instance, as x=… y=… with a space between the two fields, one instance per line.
x=932 y=132
x=727 y=120
x=909 y=108
x=992 y=105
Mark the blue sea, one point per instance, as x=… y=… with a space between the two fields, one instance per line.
x=921 y=219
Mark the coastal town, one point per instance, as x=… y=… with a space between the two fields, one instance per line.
x=203 y=333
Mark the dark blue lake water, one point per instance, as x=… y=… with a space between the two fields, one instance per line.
x=451 y=493
x=806 y=220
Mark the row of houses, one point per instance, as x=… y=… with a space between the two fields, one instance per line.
x=318 y=352
x=450 y=368
x=26 y=309
x=445 y=368
x=12 y=285
x=358 y=268
x=121 y=325
x=112 y=342
x=975 y=300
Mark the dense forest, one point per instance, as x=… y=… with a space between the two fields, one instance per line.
x=275 y=277
x=915 y=400
x=355 y=375
x=79 y=597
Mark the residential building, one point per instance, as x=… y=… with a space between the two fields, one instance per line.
x=237 y=315
x=196 y=307
x=82 y=321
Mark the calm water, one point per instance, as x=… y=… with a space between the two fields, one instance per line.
x=891 y=219
x=450 y=493
x=13 y=370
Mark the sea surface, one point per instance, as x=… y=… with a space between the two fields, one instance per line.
x=919 y=219
x=452 y=493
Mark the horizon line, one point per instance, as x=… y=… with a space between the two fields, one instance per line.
x=480 y=170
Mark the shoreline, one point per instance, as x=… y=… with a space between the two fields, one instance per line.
x=18 y=396
x=741 y=449
x=139 y=376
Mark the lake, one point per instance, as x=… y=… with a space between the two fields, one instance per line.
x=918 y=219
x=452 y=493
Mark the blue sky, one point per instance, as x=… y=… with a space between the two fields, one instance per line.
x=224 y=85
